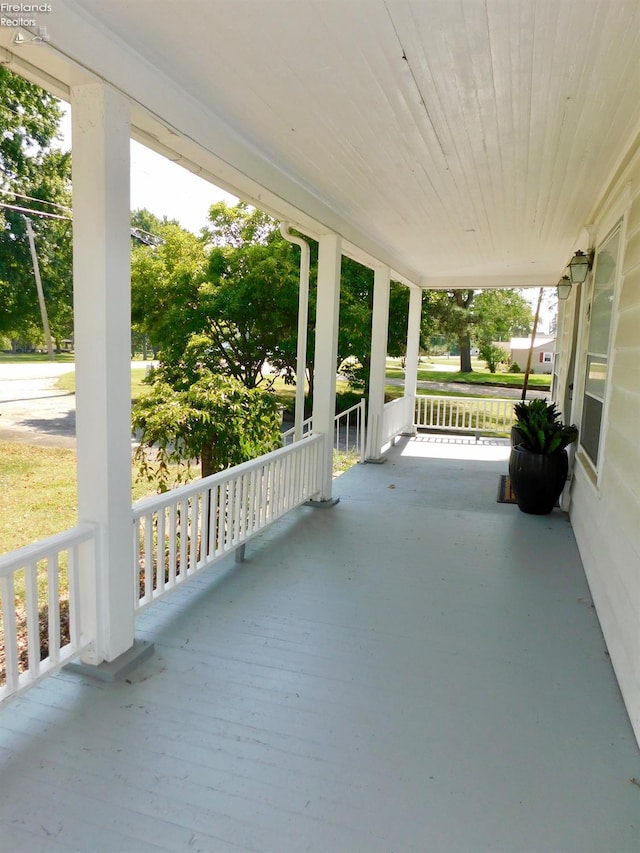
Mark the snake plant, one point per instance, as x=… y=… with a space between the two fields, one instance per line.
x=541 y=427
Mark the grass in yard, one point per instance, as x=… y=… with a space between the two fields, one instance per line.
x=67 y=382
x=30 y=357
x=504 y=380
x=38 y=493
x=343 y=460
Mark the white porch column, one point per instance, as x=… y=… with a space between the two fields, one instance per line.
x=377 y=371
x=326 y=350
x=101 y=274
x=413 y=342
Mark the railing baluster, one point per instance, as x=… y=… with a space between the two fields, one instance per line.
x=148 y=556
x=33 y=617
x=7 y=593
x=53 y=578
x=160 y=550
x=184 y=537
x=173 y=542
x=74 y=595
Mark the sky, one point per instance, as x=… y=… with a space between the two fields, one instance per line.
x=163 y=187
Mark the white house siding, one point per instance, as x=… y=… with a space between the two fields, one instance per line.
x=606 y=507
x=520 y=353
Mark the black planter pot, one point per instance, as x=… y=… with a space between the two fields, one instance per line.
x=516 y=436
x=537 y=479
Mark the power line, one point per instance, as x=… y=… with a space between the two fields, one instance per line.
x=39 y=200
x=34 y=212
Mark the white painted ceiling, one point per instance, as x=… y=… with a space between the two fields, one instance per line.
x=460 y=141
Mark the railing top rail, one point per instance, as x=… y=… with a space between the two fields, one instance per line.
x=467 y=399
x=38 y=550
x=399 y=401
x=146 y=505
x=350 y=409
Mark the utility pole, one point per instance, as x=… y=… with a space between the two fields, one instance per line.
x=533 y=339
x=36 y=273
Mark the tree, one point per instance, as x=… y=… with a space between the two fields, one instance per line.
x=234 y=305
x=356 y=312
x=452 y=310
x=29 y=121
x=215 y=420
x=501 y=314
x=480 y=316
x=251 y=307
x=37 y=178
x=166 y=282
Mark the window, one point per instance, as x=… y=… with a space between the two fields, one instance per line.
x=599 y=314
x=546 y=357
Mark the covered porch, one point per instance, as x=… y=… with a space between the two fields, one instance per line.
x=417 y=668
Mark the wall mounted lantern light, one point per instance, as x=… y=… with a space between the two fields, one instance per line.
x=579 y=266
x=564 y=288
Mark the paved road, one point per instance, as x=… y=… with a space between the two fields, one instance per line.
x=34 y=411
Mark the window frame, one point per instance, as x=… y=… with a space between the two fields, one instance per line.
x=595 y=389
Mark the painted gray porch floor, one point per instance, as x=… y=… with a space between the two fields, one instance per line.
x=416 y=669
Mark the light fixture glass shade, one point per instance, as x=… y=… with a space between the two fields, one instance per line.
x=579 y=267
x=564 y=288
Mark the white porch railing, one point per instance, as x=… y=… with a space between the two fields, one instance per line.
x=349 y=431
x=39 y=607
x=349 y=434
x=184 y=531
x=288 y=436
x=469 y=414
x=397 y=417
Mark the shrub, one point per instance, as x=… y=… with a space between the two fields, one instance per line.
x=493 y=355
x=216 y=420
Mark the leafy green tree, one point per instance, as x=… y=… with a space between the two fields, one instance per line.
x=251 y=306
x=356 y=313
x=215 y=420
x=501 y=314
x=481 y=316
x=29 y=121
x=454 y=319
x=166 y=281
x=493 y=355
x=235 y=309
x=33 y=176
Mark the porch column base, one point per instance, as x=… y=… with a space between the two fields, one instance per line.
x=119 y=668
x=322 y=504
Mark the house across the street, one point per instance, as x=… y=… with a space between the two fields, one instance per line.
x=541 y=357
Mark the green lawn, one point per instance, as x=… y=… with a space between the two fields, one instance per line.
x=67 y=382
x=38 y=493
x=29 y=357
x=504 y=380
